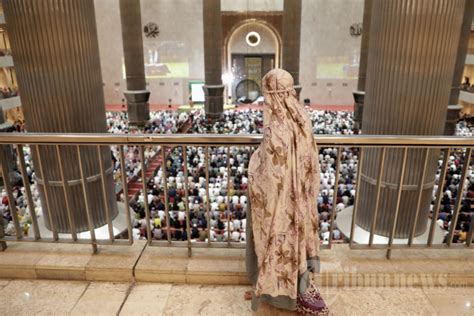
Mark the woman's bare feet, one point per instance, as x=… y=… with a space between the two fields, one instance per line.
x=248 y=295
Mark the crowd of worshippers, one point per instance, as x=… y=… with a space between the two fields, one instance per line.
x=227 y=213
x=467 y=86
x=228 y=200
x=7 y=92
x=226 y=217
x=448 y=201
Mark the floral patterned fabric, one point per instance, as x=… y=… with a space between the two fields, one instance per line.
x=284 y=183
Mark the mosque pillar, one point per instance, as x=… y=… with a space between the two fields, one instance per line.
x=213 y=88
x=454 y=108
x=54 y=44
x=410 y=65
x=7 y=156
x=359 y=95
x=136 y=94
x=291 y=40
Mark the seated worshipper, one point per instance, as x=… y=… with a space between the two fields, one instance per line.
x=282 y=227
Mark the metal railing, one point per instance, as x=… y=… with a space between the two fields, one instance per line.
x=179 y=144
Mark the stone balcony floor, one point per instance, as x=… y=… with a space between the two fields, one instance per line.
x=61 y=297
x=46 y=279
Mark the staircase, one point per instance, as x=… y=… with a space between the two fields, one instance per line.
x=135 y=185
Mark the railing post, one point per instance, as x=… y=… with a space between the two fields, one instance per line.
x=420 y=193
x=145 y=195
x=334 y=199
x=186 y=193
x=11 y=199
x=104 y=192
x=86 y=200
x=357 y=196
x=377 y=196
x=457 y=208
x=397 y=207
x=164 y=174
x=29 y=197
x=125 y=194
x=229 y=217
x=66 y=195
x=47 y=205
x=439 y=195
x=208 y=202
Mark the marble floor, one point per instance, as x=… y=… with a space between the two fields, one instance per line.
x=41 y=297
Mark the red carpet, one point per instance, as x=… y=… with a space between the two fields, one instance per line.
x=135 y=186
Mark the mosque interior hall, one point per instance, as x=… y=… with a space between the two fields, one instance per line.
x=237 y=157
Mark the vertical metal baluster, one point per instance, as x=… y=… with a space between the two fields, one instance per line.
x=377 y=196
x=11 y=200
x=86 y=200
x=145 y=194
x=228 y=197
x=65 y=184
x=29 y=196
x=125 y=194
x=356 y=202
x=420 y=193
x=334 y=199
x=469 y=236
x=439 y=195
x=104 y=192
x=46 y=204
x=397 y=207
x=454 y=219
x=208 y=202
x=165 y=193
x=470 y=233
x=186 y=204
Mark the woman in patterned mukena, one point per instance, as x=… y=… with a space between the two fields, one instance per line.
x=282 y=232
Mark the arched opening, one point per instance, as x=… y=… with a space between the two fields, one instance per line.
x=252 y=48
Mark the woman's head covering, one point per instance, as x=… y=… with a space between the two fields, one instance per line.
x=281 y=100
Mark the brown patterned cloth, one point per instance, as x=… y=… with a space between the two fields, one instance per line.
x=283 y=187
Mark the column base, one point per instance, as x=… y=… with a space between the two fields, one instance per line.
x=452 y=118
x=298 y=89
x=214 y=100
x=361 y=236
x=138 y=107
x=119 y=224
x=359 y=97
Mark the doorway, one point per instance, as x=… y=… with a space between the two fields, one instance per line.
x=249 y=70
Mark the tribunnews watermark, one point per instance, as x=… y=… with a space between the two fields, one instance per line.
x=354 y=279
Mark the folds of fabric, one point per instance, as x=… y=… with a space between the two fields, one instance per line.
x=284 y=183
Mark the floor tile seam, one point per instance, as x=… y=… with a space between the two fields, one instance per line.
x=88 y=283
x=130 y=288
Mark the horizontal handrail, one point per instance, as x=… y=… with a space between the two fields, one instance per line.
x=241 y=139
x=450 y=145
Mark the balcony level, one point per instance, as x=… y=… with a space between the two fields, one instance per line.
x=416 y=270
x=467 y=96
x=6 y=61
x=470 y=57
x=10 y=103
